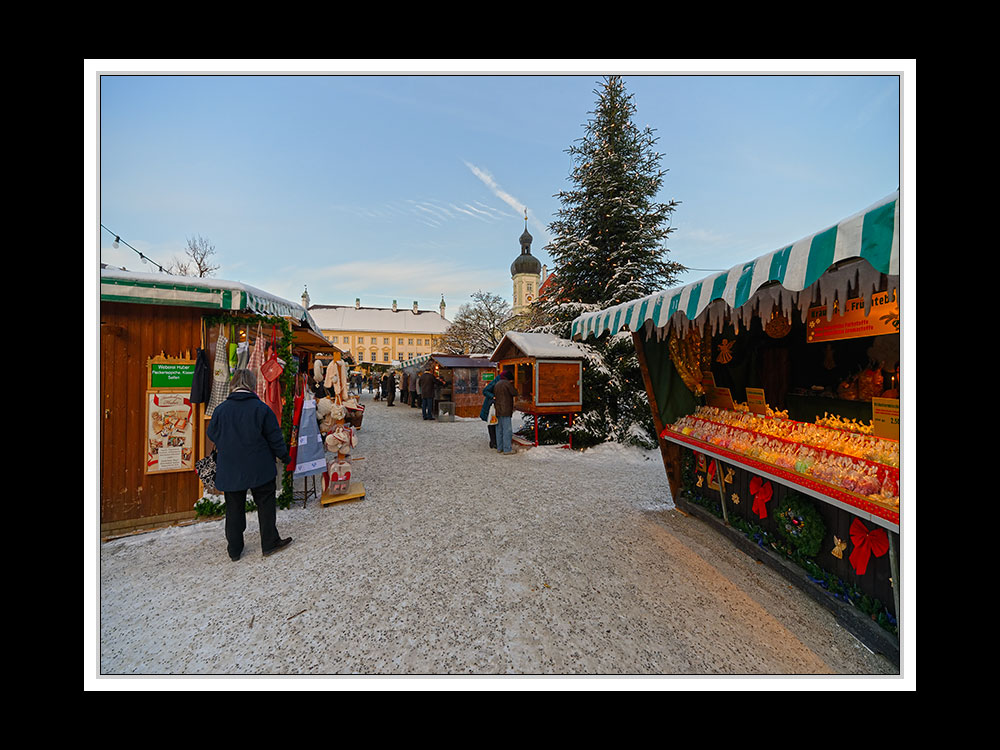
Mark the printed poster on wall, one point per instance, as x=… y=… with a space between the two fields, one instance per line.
x=169 y=432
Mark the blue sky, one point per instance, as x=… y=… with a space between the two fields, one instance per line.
x=411 y=186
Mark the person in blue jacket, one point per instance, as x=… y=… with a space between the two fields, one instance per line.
x=248 y=440
x=484 y=413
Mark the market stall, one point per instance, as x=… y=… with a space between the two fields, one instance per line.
x=548 y=374
x=775 y=389
x=463 y=381
x=168 y=344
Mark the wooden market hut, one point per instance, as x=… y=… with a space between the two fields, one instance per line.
x=548 y=373
x=151 y=328
x=807 y=335
x=464 y=379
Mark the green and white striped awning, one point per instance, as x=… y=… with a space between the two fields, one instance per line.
x=415 y=363
x=163 y=289
x=872 y=235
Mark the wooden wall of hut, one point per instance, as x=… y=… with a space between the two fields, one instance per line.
x=130 y=335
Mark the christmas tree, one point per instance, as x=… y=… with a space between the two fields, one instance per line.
x=608 y=248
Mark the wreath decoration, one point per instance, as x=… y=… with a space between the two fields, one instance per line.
x=799 y=524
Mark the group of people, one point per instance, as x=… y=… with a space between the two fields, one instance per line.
x=415 y=389
x=497 y=411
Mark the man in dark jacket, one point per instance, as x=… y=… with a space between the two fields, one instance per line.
x=503 y=401
x=248 y=440
x=404 y=387
x=426 y=384
x=389 y=387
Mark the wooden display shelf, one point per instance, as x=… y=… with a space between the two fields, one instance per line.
x=861 y=506
x=356 y=492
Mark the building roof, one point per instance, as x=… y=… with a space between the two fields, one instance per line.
x=378 y=319
x=538 y=345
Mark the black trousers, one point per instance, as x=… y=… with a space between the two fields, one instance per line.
x=236 y=517
x=492 y=429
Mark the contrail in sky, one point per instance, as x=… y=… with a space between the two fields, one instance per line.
x=487 y=179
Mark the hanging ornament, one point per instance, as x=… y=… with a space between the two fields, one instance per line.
x=762 y=493
x=685 y=352
x=828 y=361
x=866 y=544
x=839 y=545
x=778 y=326
x=736 y=499
x=725 y=352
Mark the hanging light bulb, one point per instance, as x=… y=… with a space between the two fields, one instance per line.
x=115 y=243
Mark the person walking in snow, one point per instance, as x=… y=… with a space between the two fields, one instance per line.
x=247 y=441
x=414 y=395
x=389 y=387
x=503 y=395
x=426 y=384
x=489 y=413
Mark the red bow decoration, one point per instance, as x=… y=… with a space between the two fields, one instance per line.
x=866 y=543
x=761 y=492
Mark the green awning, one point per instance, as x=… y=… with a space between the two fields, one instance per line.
x=216 y=294
x=872 y=235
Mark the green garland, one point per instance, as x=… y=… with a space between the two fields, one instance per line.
x=837 y=587
x=800 y=524
x=285 y=497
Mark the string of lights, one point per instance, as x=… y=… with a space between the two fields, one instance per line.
x=144 y=258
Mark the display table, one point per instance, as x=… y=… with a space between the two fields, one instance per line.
x=857 y=504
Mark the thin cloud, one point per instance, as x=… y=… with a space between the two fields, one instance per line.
x=487 y=179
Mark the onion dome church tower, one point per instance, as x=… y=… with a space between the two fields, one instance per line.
x=525 y=271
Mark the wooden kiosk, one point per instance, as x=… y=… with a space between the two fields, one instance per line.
x=756 y=378
x=548 y=374
x=151 y=431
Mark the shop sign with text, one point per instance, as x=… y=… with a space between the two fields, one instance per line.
x=883 y=318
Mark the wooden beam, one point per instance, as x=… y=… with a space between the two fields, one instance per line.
x=669 y=452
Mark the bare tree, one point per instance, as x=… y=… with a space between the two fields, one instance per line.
x=199 y=252
x=478 y=327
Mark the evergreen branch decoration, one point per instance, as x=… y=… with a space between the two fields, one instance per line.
x=800 y=524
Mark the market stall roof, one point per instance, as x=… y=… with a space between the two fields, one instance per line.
x=871 y=235
x=119 y=285
x=446 y=360
x=455 y=361
x=416 y=363
x=538 y=345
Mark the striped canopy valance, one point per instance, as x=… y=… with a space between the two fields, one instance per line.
x=872 y=235
x=164 y=289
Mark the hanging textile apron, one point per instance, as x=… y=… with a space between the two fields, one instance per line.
x=220 y=373
x=256 y=360
x=272 y=388
x=296 y=421
x=310 y=458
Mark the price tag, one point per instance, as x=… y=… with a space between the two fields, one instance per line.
x=885 y=418
x=755 y=401
x=720 y=398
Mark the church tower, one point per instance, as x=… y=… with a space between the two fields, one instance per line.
x=525 y=272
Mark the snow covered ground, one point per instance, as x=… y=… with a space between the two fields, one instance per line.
x=460 y=561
